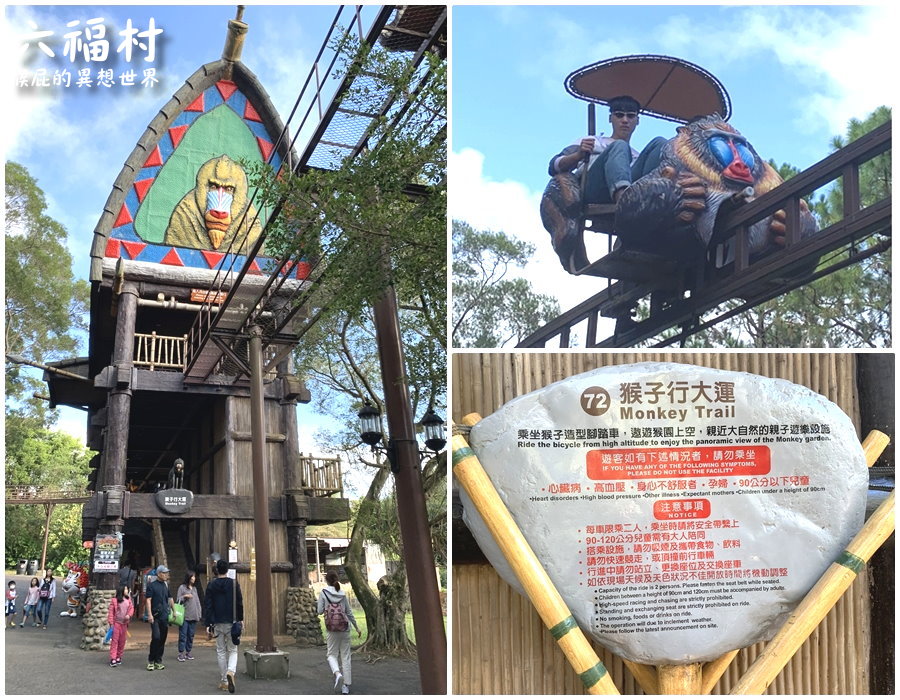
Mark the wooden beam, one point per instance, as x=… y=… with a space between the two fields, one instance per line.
x=212 y=506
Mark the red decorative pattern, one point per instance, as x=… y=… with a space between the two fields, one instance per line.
x=226 y=89
x=303 y=270
x=177 y=133
x=113 y=249
x=141 y=187
x=254 y=268
x=196 y=105
x=212 y=258
x=124 y=217
x=265 y=147
x=171 y=258
x=251 y=113
x=155 y=158
x=134 y=248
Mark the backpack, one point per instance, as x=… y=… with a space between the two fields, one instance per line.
x=45 y=590
x=335 y=619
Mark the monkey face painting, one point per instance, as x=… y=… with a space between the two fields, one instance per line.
x=216 y=214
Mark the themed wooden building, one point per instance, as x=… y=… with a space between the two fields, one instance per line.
x=167 y=397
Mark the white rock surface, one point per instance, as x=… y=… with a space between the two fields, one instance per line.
x=688 y=543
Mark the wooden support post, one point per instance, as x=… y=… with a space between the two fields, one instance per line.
x=823 y=596
x=683 y=679
x=531 y=574
x=48 y=508
x=265 y=640
x=418 y=553
x=293 y=483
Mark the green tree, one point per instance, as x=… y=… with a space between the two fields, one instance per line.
x=39 y=457
x=491 y=310
x=847 y=308
x=376 y=221
x=45 y=304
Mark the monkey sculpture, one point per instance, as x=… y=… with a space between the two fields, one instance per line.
x=217 y=212
x=176 y=475
x=671 y=212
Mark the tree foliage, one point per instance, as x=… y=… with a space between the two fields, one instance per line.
x=847 y=308
x=378 y=220
x=36 y=456
x=490 y=309
x=45 y=304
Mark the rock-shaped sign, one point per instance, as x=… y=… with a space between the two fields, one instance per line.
x=681 y=511
x=175 y=501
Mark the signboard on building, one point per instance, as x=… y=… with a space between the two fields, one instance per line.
x=174 y=501
x=681 y=511
x=107 y=552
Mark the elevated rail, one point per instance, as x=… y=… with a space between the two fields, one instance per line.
x=754 y=282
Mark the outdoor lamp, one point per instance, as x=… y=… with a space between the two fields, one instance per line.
x=370 y=424
x=433 y=425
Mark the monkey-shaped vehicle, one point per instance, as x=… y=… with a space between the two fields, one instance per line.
x=667 y=224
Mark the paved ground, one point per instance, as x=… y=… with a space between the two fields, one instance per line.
x=40 y=662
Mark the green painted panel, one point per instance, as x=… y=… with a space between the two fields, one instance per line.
x=220 y=131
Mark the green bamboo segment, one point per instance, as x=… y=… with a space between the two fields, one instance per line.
x=817 y=603
x=550 y=606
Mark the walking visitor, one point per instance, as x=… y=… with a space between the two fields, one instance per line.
x=46 y=594
x=333 y=604
x=187 y=596
x=159 y=602
x=223 y=609
x=121 y=610
x=29 y=608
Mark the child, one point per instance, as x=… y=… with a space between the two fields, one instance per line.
x=31 y=601
x=121 y=609
x=11 y=603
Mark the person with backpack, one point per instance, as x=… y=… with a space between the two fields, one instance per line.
x=121 y=610
x=223 y=610
x=333 y=604
x=46 y=594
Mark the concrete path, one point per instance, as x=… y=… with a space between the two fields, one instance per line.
x=49 y=662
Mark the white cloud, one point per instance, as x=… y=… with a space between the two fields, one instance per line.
x=513 y=208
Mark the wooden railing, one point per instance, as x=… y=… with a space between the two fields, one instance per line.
x=28 y=493
x=164 y=352
x=321 y=476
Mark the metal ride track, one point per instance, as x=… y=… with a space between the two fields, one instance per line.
x=755 y=282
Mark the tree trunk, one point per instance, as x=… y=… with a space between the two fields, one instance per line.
x=385 y=612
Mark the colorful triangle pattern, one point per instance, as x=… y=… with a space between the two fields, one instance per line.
x=155 y=158
x=172 y=258
x=142 y=187
x=226 y=88
x=196 y=105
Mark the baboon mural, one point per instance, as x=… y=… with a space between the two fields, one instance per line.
x=216 y=212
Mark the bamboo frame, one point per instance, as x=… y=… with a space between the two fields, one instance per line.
x=685 y=679
x=537 y=584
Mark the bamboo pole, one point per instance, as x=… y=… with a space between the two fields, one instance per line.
x=537 y=584
x=645 y=676
x=823 y=596
x=681 y=679
x=714 y=670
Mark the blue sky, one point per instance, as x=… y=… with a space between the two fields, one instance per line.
x=75 y=141
x=795 y=75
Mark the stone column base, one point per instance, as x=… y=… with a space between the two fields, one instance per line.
x=303 y=623
x=272 y=665
x=94 y=623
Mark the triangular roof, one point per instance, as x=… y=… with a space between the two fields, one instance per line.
x=224 y=82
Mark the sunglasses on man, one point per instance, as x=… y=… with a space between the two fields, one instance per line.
x=630 y=115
